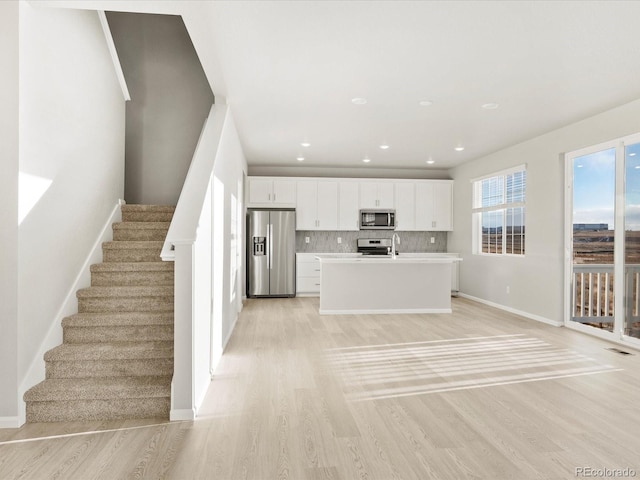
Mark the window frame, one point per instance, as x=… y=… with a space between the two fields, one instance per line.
x=503 y=208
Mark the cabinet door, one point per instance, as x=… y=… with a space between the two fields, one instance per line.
x=385 y=195
x=424 y=206
x=368 y=195
x=405 y=203
x=327 y=202
x=434 y=206
x=284 y=192
x=260 y=190
x=348 y=206
x=306 y=205
x=443 y=202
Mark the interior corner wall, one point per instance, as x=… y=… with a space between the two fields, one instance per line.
x=170 y=100
x=9 y=15
x=535 y=280
x=72 y=121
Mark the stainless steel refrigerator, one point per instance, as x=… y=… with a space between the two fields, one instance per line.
x=271 y=252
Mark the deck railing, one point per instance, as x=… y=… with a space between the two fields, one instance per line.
x=593 y=289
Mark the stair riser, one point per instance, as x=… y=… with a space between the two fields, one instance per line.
x=131 y=255
x=138 y=235
x=147 y=333
x=127 y=304
x=110 y=368
x=86 y=410
x=146 y=216
x=141 y=279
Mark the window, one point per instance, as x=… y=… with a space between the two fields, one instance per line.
x=499 y=212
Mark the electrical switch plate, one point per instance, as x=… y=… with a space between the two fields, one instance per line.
x=339 y=239
x=306 y=239
x=433 y=239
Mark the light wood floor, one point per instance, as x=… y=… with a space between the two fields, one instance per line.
x=479 y=394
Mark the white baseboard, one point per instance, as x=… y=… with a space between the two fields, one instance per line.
x=10 y=422
x=531 y=316
x=36 y=371
x=182 y=415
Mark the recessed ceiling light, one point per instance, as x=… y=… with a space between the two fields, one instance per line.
x=384 y=146
x=300 y=159
x=490 y=106
x=305 y=144
x=366 y=160
x=637 y=166
x=431 y=161
x=359 y=100
x=579 y=166
x=458 y=148
x=425 y=103
x=632 y=154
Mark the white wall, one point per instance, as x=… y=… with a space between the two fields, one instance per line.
x=229 y=168
x=535 y=280
x=72 y=134
x=8 y=212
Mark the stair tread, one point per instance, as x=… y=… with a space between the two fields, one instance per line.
x=118 y=319
x=141 y=225
x=132 y=244
x=110 y=351
x=71 y=389
x=120 y=291
x=147 y=208
x=132 y=267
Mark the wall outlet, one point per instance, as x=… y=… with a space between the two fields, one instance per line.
x=306 y=239
x=508 y=289
x=339 y=239
x=433 y=239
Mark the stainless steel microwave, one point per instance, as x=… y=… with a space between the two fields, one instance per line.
x=377 y=219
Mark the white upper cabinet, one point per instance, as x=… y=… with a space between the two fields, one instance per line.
x=316 y=205
x=376 y=195
x=348 y=205
x=265 y=191
x=434 y=201
x=334 y=204
x=405 y=203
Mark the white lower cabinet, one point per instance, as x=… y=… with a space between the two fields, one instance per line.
x=307 y=274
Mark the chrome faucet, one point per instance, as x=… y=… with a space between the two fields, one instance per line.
x=393 y=244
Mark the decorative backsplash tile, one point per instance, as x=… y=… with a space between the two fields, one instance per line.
x=327 y=241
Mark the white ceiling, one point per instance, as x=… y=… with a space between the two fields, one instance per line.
x=291 y=69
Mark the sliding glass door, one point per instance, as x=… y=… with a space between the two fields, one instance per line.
x=632 y=240
x=603 y=240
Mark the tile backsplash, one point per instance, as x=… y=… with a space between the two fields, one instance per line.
x=327 y=241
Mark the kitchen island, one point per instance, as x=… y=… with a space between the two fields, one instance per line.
x=408 y=283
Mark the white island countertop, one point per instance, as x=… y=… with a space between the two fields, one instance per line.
x=400 y=258
x=408 y=283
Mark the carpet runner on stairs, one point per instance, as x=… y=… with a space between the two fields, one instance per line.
x=116 y=360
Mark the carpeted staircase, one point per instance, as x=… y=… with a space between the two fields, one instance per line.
x=116 y=360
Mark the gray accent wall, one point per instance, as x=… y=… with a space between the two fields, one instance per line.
x=327 y=241
x=170 y=100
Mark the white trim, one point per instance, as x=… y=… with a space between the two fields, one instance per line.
x=515 y=311
x=114 y=55
x=182 y=414
x=10 y=422
x=36 y=371
x=506 y=171
x=384 y=311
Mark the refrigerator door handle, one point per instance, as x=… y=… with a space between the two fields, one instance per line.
x=270 y=240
